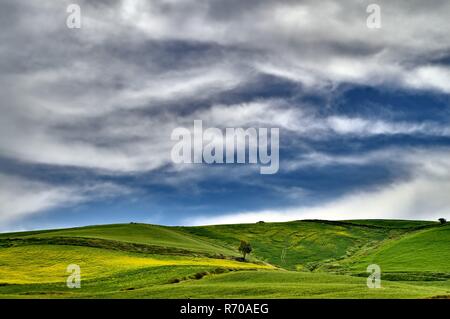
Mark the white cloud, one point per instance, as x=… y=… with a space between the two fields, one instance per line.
x=367 y=127
x=424 y=195
x=421 y=198
x=21 y=198
x=65 y=100
x=311 y=42
x=107 y=96
x=432 y=77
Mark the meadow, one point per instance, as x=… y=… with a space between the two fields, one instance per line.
x=299 y=259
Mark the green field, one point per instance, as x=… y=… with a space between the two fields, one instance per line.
x=299 y=259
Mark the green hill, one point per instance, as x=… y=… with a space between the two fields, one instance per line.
x=159 y=236
x=421 y=253
x=299 y=259
x=301 y=245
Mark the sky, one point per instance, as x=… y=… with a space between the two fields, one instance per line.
x=86 y=114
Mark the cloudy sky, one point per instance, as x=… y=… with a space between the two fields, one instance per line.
x=87 y=114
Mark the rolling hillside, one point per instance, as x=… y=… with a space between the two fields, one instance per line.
x=424 y=253
x=312 y=244
x=299 y=259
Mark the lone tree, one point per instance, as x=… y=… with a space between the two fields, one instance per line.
x=245 y=248
x=442 y=220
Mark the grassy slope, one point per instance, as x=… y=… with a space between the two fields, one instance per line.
x=301 y=245
x=158 y=282
x=278 y=284
x=50 y=262
x=136 y=233
x=396 y=245
x=425 y=250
